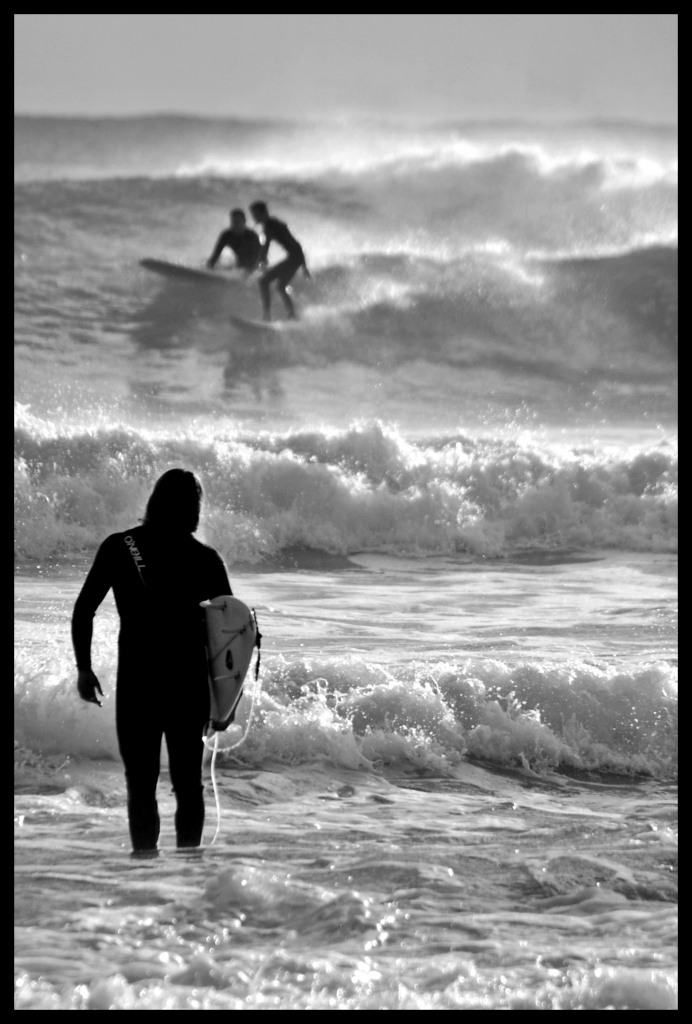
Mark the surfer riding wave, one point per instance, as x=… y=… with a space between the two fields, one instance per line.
x=276 y=230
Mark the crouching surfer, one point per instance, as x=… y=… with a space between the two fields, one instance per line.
x=159 y=574
x=241 y=239
x=275 y=230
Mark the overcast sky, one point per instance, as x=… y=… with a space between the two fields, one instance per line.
x=398 y=65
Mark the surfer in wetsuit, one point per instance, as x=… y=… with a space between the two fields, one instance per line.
x=241 y=239
x=276 y=231
x=159 y=574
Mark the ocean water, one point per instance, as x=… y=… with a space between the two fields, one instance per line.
x=449 y=491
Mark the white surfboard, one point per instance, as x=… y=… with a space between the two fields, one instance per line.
x=259 y=326
x=199 y=274
x=231 y=638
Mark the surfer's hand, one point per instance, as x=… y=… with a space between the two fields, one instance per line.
x=87 y=685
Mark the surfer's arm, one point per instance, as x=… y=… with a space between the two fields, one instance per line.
x=218 y=249
x=263 y=254
x=88 y=685
x=96 y=586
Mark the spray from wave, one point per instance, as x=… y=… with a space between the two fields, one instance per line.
x=356 y=714
x=361 y=489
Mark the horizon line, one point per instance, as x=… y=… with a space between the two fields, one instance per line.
x=571 y=119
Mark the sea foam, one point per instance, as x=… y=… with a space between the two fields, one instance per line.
x=362 y=489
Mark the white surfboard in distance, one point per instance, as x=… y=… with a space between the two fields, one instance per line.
x=192 y=274
x=263 y=326
x=231 y=638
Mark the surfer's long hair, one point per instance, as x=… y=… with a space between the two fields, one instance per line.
x=175 y=503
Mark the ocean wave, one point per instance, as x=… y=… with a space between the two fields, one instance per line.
x=356 y=714
x=582 y=321
x=565 y=314
x=491 y=247
x=162 y=144
x=581 y=189
x=438 y=205
x=361 y=489
x=550 y=275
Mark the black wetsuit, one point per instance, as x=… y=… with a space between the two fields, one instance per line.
x=245 y=244
x=276 y=231
x=158 y=580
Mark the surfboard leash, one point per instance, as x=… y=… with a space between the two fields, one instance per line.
x=213 y=785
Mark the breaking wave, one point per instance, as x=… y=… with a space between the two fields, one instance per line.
x=366 y=488
x=352 y=713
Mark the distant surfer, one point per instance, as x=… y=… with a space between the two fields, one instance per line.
x=159 y=574
x=242 y=240
x=275 y=230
